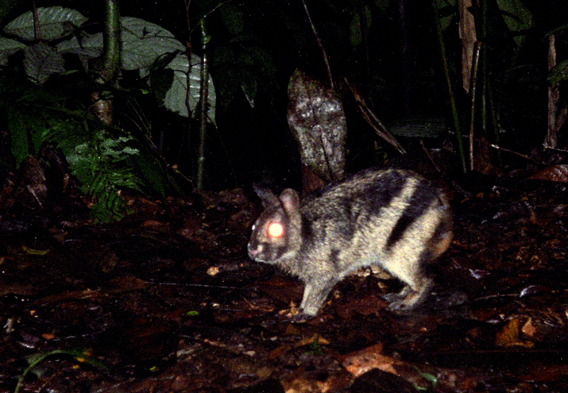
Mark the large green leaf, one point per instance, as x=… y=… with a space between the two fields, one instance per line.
x=176 y=96
x=84 y=46
x=143 y=42
x=54 y=22
x=7 y=48
x=27 y=128
x=41 y=61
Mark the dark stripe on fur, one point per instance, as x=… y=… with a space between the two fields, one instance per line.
x=334 y=258
x=422 y=197
x=367 y=198
x=307 y=232
x=347 y=228
x=379 y=193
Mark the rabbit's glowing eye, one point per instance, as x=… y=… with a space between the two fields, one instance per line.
x=275 y=229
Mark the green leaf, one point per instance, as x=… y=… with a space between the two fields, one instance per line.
x=41 y=61
x=18 y=136
x=446 y=10
x=26 y=129
x=558 y=73
x=355 y=28
x=382 y=4
x=153 y=173
x=7 y=48
x=143 y=42
x=440 y=4
x=55 y=22
x=249 y=87
x=36 y=131
x=84 y=46
x=556 y=29
x=517 y=17
x=175 y=99
x=101 y=159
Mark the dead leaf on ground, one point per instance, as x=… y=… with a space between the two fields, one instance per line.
x=557 y=173
x=509 y=336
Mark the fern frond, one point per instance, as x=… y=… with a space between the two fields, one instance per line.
x=101 y=161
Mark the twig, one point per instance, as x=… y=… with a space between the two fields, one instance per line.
x=497 y=147
x=373 y=120
x=323 y=52
x=204 y=88
x=473 y=87
x=429 y=156
x=37 y=26
x=555 y=149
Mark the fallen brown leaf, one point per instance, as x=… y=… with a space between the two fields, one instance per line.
x=557 y=173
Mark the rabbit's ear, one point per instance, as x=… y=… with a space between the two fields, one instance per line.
x=267 y=197
x=290 y=201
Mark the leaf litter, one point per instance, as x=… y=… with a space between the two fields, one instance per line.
x=166 y=300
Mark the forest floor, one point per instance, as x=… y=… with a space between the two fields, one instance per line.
x=166 y=300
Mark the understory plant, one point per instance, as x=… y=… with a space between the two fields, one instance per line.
x=47 y=59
